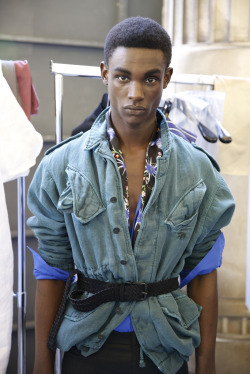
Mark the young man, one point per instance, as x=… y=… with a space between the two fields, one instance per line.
x=130 y=206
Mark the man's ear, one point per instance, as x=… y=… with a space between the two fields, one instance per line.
x=104 y=73
x=167 y=76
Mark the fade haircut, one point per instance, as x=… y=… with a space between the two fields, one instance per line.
x=138 y=32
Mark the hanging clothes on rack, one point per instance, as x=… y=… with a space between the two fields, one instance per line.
x=9 y=73
x=200 y=112
x=27 y=92
x=20 y=144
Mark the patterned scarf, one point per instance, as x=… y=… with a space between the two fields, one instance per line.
x=154 y=150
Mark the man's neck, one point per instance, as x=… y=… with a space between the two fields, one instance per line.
x=134 y=137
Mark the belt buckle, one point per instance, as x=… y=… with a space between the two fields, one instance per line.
x=144 y=292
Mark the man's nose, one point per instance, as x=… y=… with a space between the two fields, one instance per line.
x=135 y=91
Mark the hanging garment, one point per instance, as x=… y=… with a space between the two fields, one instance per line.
x=88 y=122
x=6 y=283
x=200 y=112
x=20 y=143
x=29 y=99
x=9 y=73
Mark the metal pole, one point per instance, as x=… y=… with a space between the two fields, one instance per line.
x=59 y=137
x=21 y=287
x=58 y=106
x=168 y=15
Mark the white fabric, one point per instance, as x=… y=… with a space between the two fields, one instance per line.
x=20 y=144
x=6 y=283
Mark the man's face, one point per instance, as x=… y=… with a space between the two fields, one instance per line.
x=135 y=79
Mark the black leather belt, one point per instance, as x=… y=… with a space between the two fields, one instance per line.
x=104 y=292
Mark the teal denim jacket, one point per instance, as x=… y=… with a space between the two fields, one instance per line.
x=79 y=220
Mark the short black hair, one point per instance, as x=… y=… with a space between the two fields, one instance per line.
x=138 y=32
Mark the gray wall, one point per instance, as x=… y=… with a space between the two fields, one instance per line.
x=65 y=32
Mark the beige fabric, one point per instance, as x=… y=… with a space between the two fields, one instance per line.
x=232 y=274
x=234 y=159
x=248 y=250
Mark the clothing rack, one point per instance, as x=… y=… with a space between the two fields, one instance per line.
x=21 y=283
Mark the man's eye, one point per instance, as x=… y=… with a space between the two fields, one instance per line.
x=151 y=80
x=122 y=78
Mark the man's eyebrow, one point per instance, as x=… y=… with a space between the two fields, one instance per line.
x=147 y=74
x=122 y=70
x=153 y=71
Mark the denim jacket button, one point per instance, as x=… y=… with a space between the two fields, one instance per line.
x=181 y=235
x=116 y=230
x=113 y=199
x=123 y=262
x=118 y=311
x=85 y=349
x=100 y=336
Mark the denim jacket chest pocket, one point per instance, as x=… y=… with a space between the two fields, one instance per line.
x=80 y=197
x=182 y=218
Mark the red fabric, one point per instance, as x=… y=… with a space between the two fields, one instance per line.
x=29 y=98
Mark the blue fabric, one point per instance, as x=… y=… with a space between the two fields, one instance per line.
x=43 y=271
x=210 y=262
x=125 y=326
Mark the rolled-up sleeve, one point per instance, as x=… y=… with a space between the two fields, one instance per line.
x=47 y=222
x=217 y=214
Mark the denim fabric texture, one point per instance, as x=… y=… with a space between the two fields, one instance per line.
x=79 y=219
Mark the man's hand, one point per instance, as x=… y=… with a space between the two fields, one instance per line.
x=48 y=298
x=203 y=290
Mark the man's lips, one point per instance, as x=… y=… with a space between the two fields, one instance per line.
x=134 y=107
